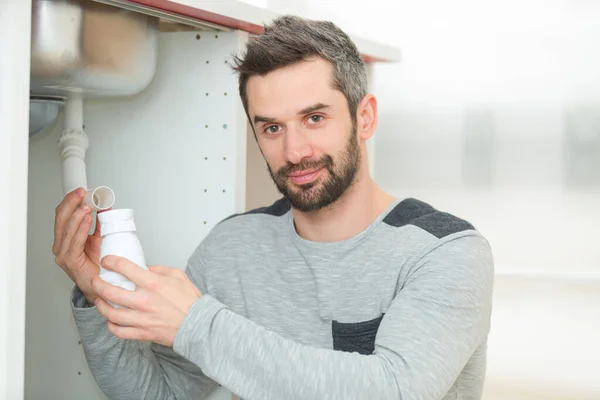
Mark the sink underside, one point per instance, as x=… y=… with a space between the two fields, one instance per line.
x=92 y=48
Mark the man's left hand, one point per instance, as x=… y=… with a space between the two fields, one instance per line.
x=155 y=310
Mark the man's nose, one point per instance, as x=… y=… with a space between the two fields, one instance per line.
x=297 y=146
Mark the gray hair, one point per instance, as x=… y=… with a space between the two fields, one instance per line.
x=289 y=40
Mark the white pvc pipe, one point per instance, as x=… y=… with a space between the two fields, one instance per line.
x=74 y=173
x=73 y=144
x=100 y=198
x=74 y=112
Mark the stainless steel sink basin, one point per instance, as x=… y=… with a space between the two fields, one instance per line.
x=92 y=48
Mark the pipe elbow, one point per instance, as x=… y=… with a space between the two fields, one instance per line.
x=100 y=198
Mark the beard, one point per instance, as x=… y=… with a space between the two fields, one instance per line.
x=324 y=191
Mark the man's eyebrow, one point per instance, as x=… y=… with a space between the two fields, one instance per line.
x=313 y=108
x=260 y=118
x=306 y=110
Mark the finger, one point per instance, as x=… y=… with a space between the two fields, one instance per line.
x=97 y=229
x=164 y=271
x=119 y=316
x=63 y=214
x=131 y=271
x=129 y=333
x=72 y=228
x=117 y=295
x=82 y=233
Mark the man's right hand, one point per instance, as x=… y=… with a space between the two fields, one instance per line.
x=76 y=252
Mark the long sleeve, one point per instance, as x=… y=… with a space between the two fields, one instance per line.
x=434 y=325
x=129 y=370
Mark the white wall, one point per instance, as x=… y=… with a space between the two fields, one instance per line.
x=494 y=115
x=543 y=343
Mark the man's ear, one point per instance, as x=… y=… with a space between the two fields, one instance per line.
x=366 y=117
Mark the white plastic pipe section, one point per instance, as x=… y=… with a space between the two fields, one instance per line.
x=73 y=144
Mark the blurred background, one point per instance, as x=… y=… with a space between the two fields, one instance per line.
x=493 y=114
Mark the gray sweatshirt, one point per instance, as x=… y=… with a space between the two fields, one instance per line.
x=399 y=311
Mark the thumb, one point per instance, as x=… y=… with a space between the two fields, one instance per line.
x=97 y=229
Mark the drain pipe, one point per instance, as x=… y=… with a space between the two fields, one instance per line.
x=73 y=144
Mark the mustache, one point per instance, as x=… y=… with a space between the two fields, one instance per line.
x=325 y=161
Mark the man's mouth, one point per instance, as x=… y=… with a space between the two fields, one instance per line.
x=305 y=176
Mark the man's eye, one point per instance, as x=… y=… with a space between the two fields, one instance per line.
x=272 y=129
x=316 y=118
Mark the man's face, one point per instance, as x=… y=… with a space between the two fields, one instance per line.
x=305 y=133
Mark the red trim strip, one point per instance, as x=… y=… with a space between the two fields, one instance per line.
x=371 y=59
x=202 y=15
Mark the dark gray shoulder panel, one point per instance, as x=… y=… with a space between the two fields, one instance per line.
x=277 y=209
x=424 y=216
x=407 y=211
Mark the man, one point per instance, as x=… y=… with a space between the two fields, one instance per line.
x=336 y=291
